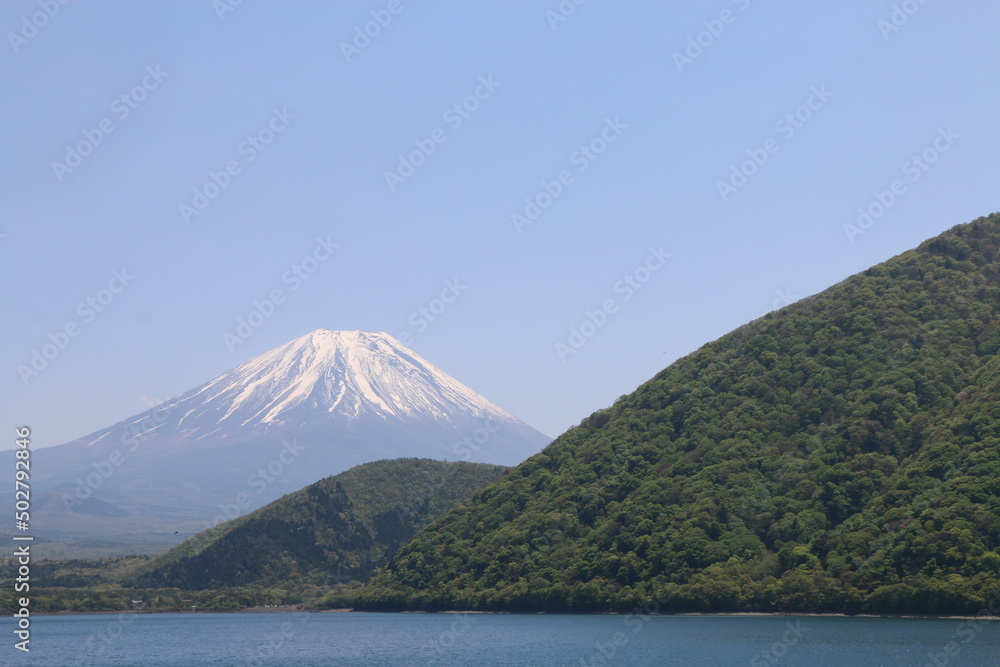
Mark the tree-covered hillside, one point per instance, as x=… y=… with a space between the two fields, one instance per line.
x=336 y=530
x=842 y=454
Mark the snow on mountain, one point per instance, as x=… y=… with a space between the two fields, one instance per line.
x=342 y=373
x=307 y=409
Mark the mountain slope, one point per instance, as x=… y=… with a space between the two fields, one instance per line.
x=312 y=407
x=841 y=454
x=349 y=375
x=333 y=531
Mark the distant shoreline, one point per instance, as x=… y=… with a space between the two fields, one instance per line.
x=294 y=610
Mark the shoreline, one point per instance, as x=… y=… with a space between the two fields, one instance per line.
x=296 y=610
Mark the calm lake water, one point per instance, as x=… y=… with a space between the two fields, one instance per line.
x=305 y=640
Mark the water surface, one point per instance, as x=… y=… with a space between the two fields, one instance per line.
x=501 y=640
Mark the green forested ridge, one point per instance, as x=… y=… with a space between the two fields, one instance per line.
x=302 y=545
x=336 y=530
x=838 y=455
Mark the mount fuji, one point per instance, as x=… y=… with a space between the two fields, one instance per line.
x=295 y=414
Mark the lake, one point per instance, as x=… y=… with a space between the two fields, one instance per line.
x=305 y=640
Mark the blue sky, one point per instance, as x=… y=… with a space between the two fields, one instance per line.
x=678 y=168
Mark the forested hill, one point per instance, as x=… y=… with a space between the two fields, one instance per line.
x=841 y=454
x=331 y=532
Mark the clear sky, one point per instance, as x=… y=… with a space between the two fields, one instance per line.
x=678 y=169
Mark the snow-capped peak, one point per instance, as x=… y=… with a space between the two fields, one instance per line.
x=312 y=407
x=344 y=373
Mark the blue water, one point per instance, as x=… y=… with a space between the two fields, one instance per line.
x=305 y=640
